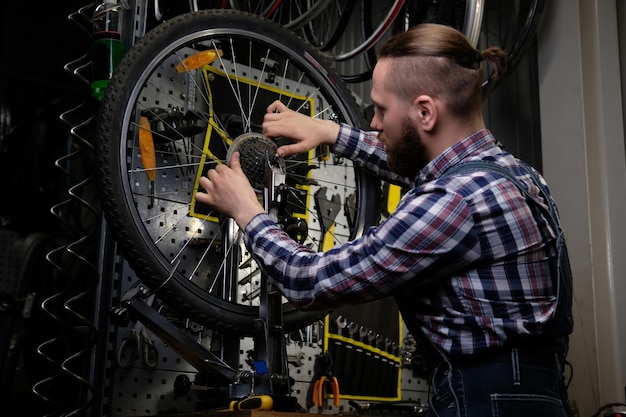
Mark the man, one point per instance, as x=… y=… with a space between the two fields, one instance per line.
x=470 y=262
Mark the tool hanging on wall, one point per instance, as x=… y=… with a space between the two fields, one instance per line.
x=138 y=343
x=324 y=380
x=363 y=343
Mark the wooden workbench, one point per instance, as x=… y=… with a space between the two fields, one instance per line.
x=241 y=413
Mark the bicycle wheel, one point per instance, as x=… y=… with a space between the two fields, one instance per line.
x=384 y=13
x=325 y=30
x=292 y=14
x=265 y=8
x=174 y=106
x=510 y=25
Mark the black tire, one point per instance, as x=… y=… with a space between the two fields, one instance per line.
x=159 y=227
x=325 y=30
x=510 y=24
x=513 y=26
x=292 y=14
x=374 y=15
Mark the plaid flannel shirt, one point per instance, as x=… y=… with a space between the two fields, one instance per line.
x=467 y=260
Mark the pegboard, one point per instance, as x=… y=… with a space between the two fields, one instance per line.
x=144 y=392
x=138 y=391
x=363 y=344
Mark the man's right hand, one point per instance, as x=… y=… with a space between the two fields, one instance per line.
x=306 y=132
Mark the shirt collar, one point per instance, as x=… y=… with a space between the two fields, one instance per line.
x=477 y=142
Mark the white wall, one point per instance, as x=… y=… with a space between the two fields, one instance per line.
x=584 y=161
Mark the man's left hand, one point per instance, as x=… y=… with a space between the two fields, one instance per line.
x=228 y=191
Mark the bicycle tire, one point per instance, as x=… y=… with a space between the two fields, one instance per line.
x=25 y=326
x=325 y=30
x=260 y=7
x=378 y=30
x=157 y=224
x=292 y=14
x=305 y=14
x=517 y=23
x=510 y=25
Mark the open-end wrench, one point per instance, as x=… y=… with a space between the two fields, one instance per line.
x=341 y=323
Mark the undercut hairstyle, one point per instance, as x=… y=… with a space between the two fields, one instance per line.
x=438 y=61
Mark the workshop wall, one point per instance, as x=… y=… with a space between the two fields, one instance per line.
x=581 y=52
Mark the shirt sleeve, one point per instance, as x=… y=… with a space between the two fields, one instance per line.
x=364 y=149
x=430 y=235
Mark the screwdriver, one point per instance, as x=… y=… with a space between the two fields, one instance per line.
x=257 y=402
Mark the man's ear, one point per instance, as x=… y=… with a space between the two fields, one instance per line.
x=426 y=112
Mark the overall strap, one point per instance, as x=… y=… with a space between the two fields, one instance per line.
x=487 y=166
x=561 y=323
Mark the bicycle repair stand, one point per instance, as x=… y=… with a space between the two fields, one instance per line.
x=233 y=388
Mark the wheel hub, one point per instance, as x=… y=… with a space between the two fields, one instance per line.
x=257 y=152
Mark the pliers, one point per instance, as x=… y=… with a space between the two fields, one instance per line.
x=326 y=380
x=318 y=390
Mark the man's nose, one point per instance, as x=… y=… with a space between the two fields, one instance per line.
x=374 y=122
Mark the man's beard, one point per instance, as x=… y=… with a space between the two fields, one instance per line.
x=407 y=156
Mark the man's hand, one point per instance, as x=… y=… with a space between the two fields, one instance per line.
x=229 y=192
x=305 y=131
